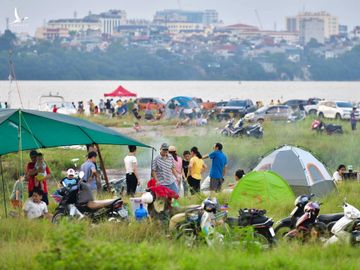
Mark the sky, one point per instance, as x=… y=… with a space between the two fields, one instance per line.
x=271 y=12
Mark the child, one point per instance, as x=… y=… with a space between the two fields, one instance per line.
x=137 y=127
x=34 y=207
x=40 y=167
x=17 y=193
x=185 y=169
x=70 y=184
x=69 y=181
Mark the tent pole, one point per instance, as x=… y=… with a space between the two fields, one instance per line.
x=3 y=185
x=102 y=165
x=152 y=159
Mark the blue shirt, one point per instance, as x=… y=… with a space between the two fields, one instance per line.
x=88 y=168
x=219 y=162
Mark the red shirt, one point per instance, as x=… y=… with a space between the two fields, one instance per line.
x=55 y=109
x=32 y=181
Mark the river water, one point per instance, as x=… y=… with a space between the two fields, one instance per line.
x=207 y=90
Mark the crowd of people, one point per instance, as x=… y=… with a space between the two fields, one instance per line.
x=182 y=174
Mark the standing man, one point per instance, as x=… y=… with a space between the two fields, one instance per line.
x=218 y=167
x=90 y=173
x=353 y=119
x=163 y=169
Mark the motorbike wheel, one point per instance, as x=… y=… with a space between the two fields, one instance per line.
x=259 y=136
x=58 y=217
x=225 y=132
x=261 y=240
x=188 y=237
x=281 y=231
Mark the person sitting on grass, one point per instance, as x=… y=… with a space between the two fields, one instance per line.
x=238 y=175
x=338 y=176
x=137 y=127
x=34 y=207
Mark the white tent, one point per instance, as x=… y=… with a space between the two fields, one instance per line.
x=303 y=172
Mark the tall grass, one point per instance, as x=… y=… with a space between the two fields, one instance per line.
x=38 y=244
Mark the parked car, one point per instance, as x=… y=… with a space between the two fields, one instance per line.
x=208 y=105
x=274 y=113
x=336 y=109
x=295 y=103
x=312 y=105
x=155 y=103
x=237 y=107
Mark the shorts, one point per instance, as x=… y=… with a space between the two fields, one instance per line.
x=215 y=184
x=16 y=203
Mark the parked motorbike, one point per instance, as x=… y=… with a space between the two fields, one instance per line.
x=76 y=203
x=257 y=219
x=200 y=224
x=307 y=225
x=330 y=129
x=117 y=186
x=347 y=229
x=255 y=130
x=287 y=224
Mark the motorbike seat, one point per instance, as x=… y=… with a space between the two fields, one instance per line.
x=232 y=221
x=258 y=220
x=327 y=218
x=100 y=204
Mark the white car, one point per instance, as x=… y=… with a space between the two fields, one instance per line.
x=336 y=109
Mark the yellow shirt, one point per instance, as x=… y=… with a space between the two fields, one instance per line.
x=196 y=165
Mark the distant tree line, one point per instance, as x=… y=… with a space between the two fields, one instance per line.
x=50 y=61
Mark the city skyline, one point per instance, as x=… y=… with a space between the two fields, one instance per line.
x=271 y=14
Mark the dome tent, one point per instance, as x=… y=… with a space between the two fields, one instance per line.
x=304 y=173
x=185 y=106
x=260 y=188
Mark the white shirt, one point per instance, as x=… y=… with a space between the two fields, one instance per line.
x=130 y=162
x=35 y=210
x=337 y=177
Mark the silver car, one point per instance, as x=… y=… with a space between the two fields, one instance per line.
x=273 y=113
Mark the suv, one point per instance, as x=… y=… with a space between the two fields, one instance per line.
x=336 y=109
x=155 y=103
x=237 y=107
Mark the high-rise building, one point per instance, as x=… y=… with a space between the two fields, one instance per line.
x=291 y=24
x=331 y=23
x=175 y=15
x=311 y=28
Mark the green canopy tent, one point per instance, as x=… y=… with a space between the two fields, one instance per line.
x=29 y=129
x=260 y=189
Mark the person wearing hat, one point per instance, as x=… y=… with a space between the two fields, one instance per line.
x=178 y=164
x=163 y=169
x=70 y=180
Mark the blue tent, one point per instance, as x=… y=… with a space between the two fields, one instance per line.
x=183 y=106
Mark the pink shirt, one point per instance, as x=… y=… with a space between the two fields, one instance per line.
x=178 y=165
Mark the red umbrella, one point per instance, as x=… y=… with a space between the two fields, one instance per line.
x=120 y=92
